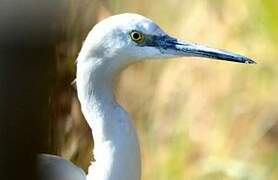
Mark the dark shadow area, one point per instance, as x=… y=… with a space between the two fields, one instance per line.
x=28 y=32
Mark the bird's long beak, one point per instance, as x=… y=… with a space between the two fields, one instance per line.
x=176 y=47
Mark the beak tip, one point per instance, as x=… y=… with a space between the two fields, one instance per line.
x=250 y=61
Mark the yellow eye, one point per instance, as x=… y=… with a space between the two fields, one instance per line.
x=137 y=37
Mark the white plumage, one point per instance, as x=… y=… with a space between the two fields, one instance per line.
x=111 y=45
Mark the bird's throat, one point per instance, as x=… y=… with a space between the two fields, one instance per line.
x=116 y=148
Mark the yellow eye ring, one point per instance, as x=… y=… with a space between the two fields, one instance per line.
x=137 y=37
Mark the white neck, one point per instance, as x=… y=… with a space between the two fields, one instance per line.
x=116 y=148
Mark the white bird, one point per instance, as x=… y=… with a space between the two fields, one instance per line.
x=112 y=45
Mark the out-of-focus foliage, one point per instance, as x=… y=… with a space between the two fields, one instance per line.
x=196 y=119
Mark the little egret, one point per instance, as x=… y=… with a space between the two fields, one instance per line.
x=113 y=44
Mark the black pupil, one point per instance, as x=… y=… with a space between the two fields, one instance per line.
x=136 y=36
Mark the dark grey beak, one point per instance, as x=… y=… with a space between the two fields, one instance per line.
x=171 y=46
x=191 y=49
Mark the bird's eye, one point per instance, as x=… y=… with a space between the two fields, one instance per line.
x=137 y=37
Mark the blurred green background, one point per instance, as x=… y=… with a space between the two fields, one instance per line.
x=196 y=119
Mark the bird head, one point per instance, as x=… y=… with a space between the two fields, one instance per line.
x=122 y=39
